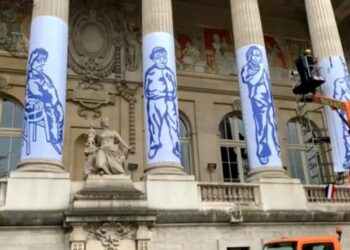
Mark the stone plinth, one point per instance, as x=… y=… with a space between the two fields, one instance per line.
x=109 y=191
x=37 y=191
x=282 y=194
x=171 y=192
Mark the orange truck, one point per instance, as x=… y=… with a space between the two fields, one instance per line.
x=306 y=243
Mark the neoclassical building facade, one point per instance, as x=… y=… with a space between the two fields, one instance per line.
x=210 y=147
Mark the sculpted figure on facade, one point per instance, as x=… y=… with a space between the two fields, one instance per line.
x=133 y=42
x=105 y=153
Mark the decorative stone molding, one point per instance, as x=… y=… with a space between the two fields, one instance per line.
x=143 y=245
x=128 y=93
x=237 y=105
x=78 y=245
x=91 y=96
x=94 y=37
x=105 y=40
x=3 y=83
x=110 y=234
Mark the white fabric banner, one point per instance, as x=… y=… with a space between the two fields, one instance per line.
x=45 y=89
x=337 y=86
x=160 y=99
x=257 y=107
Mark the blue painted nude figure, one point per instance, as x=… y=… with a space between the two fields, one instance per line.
x=342 y=92
x=257 y=79
x=43 y=107
x=160 y=93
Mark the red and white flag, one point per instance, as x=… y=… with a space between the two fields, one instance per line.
x=330 y=191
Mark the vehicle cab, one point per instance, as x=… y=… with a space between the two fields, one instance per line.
x=304 y=243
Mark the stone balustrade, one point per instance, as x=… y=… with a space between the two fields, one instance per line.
x=244 y=194
x=316 y=193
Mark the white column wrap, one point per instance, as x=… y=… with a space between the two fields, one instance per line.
x=255 y=86
x=257 y=107
x=45 y=90
x=160 y=100
x=327 y=47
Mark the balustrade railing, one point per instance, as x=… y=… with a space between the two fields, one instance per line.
x=244 y=194
x=318 y=194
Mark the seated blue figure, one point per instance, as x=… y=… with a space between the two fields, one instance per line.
x=43 y=107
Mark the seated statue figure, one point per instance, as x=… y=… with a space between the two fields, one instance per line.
x=105 y=153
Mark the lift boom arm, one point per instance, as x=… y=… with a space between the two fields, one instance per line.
x=334 y=104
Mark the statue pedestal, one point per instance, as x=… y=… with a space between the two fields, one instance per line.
x=109 y=208
x=109 y=191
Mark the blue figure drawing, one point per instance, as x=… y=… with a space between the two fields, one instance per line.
x=43 y=107
x=342 y=92
x=255 y=76
x=160 y=93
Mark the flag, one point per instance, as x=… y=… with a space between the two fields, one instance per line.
x=330 y=191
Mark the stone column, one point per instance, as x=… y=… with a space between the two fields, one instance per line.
x=45 y=88
x=255 y=91
x=327 y=47
x=160 y=89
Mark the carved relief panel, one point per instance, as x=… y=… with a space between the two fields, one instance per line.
x=104 y=42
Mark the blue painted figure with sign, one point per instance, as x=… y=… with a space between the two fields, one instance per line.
x=342 y=92
x=43 y=107
x=255 y=76
x=160 y=93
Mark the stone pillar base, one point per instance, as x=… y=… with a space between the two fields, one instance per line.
x=172 y=192
x=164 y=170
x=282 y=194
x=269 y=172
x=40 y=166
x=37 y=191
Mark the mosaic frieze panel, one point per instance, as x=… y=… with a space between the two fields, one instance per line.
x=206 y=50
x=15 y=17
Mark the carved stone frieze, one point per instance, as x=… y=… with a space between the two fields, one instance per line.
x=110 y=234
x=127 y=92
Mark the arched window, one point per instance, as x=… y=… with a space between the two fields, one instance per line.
x=11 y=119
x=185 y=141
x=234 y=158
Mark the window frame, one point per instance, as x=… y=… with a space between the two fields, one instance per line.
x=237 y=145
x=186 y=141
x=10 y=132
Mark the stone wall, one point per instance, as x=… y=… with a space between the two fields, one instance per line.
x=32 y=238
